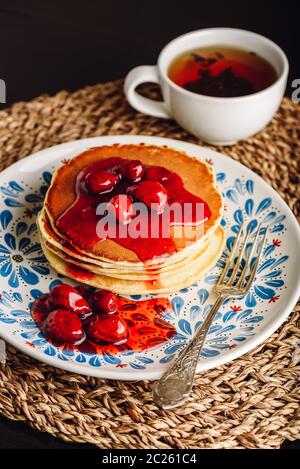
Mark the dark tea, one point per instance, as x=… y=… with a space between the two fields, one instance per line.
x=222 y=71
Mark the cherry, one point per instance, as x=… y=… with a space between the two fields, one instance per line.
x=133 y=170
x=67 y=297
x=153 y=194
x=122 y=208
x=100 y=181
x=155 y=173
x=108 y=328
x=63 y=326
x=42 y=304
x=104 y=301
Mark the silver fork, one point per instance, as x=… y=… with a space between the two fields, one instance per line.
x=176 y=384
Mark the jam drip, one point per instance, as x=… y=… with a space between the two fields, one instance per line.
x=142 y=321
x=78 y=222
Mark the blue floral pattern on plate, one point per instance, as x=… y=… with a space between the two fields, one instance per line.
x=25 y=274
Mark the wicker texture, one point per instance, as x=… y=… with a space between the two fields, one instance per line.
x=252 y=402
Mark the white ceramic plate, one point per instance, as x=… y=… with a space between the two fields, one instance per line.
x=239 y=326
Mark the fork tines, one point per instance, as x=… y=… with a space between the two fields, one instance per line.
x=239 y=273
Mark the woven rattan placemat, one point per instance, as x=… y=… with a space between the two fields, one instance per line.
x=252 y=402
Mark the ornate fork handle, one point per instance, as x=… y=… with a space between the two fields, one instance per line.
x=176 y=384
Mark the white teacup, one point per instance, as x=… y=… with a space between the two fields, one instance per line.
x=219 y=121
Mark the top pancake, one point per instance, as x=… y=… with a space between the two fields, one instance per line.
x=197 y=177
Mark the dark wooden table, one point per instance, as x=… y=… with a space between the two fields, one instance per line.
x=62 y=44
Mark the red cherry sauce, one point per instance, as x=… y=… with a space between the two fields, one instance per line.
x=78 y=272
x=78 y=222
x=146 y=326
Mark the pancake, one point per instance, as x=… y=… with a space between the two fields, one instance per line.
x=52 y=239
x=68 y=220
x=173 y=282
x=197 y=177
x=111 y=270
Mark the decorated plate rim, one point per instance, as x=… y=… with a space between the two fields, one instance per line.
x=46 y=156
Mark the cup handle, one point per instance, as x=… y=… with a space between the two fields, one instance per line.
x=138 y=75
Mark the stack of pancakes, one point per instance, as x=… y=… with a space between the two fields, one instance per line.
x=111 y=266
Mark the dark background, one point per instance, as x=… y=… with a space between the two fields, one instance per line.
x=49 y=45
x=46 y=46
